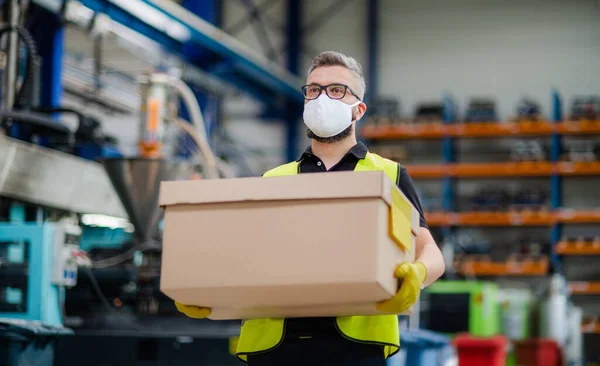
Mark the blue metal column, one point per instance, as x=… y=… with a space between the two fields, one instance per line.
x=556 y=180
x=49 y=36
x=294 y=48
x=448 y=157
x=209 y=10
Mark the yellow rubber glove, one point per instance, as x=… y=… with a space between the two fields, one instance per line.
x=195 y=312
x=412 y=276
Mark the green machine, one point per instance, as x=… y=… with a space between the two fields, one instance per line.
x=452 y=307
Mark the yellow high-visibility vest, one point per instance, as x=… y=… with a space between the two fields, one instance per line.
x=263 y=335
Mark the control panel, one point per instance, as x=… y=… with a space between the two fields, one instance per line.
x=66 y=247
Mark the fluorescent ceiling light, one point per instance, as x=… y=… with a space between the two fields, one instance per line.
x=155 y=18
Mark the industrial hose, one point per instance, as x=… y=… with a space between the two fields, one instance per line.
x=191 y=131
x=199 y=135
x=32 y=63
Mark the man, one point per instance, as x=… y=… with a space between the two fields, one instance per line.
x=333 y=104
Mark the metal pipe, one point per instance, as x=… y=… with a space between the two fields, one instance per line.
x=10 y=81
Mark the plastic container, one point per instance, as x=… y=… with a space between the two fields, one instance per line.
x=423 y=347
x=538 y=352
x=475 y=351
x=28 y=343
x=516 y=312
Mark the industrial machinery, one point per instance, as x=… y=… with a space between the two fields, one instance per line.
x=60 y=262
x=38 y=262
x=124 y=279
x=453 y=307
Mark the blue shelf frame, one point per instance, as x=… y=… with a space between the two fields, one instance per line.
x=556 y=196
x=448 y=157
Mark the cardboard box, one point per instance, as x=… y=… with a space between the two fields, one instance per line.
x=294 y=246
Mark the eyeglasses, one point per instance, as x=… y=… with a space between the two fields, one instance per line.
x=333 y=91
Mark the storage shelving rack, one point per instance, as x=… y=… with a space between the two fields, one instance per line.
x=450 y=170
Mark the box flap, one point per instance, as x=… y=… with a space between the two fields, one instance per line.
x=297 y=187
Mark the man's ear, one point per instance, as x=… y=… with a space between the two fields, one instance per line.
x=361 y=109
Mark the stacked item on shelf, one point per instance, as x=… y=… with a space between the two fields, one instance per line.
x=384 y=111
x=471 y=242
x=539 y=205
x=528 y=150
x=500 y=198
x=481 y=110
x=581 y=150
x=585 y=108
x=429 y=112
x=491 y=198
x=528 y=110
x=473 y=256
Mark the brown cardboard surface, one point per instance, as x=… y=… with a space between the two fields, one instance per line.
x=305 y=245
x=300 y=187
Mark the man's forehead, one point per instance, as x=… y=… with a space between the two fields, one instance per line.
x=330 y=75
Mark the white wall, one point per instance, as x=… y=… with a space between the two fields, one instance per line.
x=239 y=113
x=344 y=31
x=504 y=49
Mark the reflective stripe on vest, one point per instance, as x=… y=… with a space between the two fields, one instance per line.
x=262 y=335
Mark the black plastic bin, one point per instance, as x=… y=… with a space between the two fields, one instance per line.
x=27 y=343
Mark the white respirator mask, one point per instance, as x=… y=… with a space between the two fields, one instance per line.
x=327 y=117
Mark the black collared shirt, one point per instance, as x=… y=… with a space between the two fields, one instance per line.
x=310 y=163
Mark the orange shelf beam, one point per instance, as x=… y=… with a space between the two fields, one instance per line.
x=578 y=248
x=405 y=130
x=578 y=168
x=533 y=218
x=578 y=127
x=590 y=326
x=526 y=169
x=578 y=217
x=524 y=218
x=510 y=268
x=510 y=169
x=428 y=171
x=436 y=219
x=494 y=129
x=585 y=288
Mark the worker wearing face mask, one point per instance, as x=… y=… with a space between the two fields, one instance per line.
x=333 y=104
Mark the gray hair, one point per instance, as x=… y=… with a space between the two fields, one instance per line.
x=333 y=58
